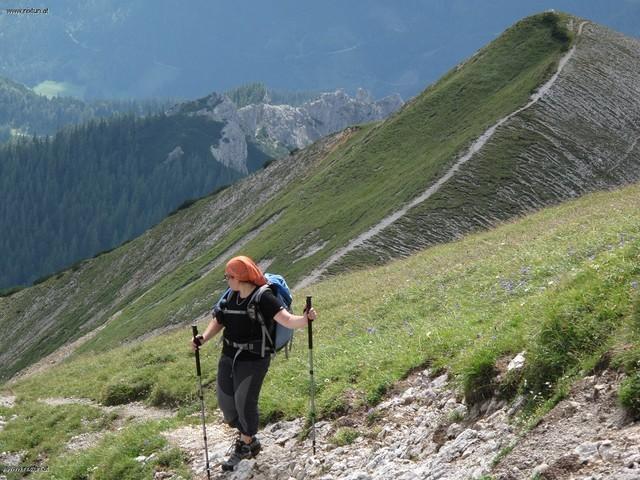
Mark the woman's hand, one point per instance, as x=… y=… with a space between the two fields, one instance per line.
x=197 y=342
x=311 y=315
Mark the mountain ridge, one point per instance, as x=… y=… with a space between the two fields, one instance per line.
x=554 y=291
x=207 y=130
x=370 y=146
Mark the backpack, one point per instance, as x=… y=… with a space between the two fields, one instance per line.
x=276 y=338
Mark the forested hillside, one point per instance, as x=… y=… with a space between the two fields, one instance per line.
x=23 y=112
x=56 y=190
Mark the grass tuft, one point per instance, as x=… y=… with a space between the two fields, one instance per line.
x=345 y=436
x=478 y=377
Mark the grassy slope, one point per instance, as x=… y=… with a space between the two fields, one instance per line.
x=380 y=168
x=84 y=296
x=561 y=284
x=491 y=291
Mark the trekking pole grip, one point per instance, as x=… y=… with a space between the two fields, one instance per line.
x=194 y=329
x=310 y=322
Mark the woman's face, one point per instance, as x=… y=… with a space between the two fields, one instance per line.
x=232 y=281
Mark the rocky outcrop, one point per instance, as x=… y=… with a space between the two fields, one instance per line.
x=279 y=127
x=425 y=431
x=231 y=149
x=297 y=127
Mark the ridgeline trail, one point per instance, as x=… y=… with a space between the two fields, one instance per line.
x=475 y=147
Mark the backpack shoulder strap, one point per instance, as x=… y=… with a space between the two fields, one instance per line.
x=255 y=301
x=257 y=295
x=253 y=310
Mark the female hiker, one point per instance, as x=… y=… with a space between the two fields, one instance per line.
x=242 y=367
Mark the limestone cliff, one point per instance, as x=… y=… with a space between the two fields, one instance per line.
x=231 y=149
x=297 y=127
x=278 y=128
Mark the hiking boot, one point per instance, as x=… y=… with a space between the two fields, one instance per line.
x=241 y=451
x=255 y=446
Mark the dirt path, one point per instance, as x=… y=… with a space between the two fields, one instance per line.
x=136 y=411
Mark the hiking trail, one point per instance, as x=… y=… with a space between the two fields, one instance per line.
x=475 y=147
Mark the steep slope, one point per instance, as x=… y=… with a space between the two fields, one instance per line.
x=78 y=300
x=558 y=288
x=340 y=195
x=583 y=135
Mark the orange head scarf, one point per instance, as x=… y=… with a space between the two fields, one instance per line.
x=245 y=270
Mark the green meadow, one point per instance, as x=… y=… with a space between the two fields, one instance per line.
x=561 y=285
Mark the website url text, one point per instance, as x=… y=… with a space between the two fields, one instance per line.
x=27 y=11
x=23 y=469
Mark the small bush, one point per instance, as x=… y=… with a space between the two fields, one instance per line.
x=629 y=395
x=345 y=436
x=455 y=416
x=478 y=377
x=373 y=416
x=125 y=390
x=510 y=384
x=155 y=358
x=171 y=393
x=375 y=396
x=171 y=458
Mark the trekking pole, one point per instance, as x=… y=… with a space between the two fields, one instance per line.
x=194 y=328
x=312 y=387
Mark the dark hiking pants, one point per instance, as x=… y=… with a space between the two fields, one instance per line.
x=239 y=387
